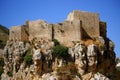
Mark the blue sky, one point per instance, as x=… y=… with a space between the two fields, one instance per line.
x=16 y=12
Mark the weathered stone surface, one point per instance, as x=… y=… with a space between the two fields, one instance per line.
x=37 y=57
x=67 y=32
x=39 y=29
x=48 y=76
x=13 y=53
x=91 y=58
x=78 y=26
x=79 y=55
x=19 y=33
x=92 y=55
x=88 y=59
x=95 y=76
x=90 y=22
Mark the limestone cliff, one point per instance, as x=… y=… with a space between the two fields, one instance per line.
x=86 y=60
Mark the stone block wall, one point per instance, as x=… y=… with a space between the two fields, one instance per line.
x=24 y=33
x=15 y=33
x=78 y=26
x=90 y=22
x=19 y=33
x=39 y=29
x=67 y=32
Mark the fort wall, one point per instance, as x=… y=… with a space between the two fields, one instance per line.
x=67 y=32
x=90 y=22
x=78 y=26
x=40 y=29
x=15 y=33
x=18 y=33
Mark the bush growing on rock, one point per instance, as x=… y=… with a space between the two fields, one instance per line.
x=28 y=58
x=56 y=42
x=60 y=51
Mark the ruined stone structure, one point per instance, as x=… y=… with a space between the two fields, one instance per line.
x=89 y=22
x=67 y=32
x=19 y=33
x=78 y=26
x=39 y=29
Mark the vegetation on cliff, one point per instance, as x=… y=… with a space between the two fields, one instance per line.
x=28 y=57
x=59 y=50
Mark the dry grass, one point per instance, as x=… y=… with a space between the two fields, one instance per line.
x=87 y=42
x=67 y=72
x=91 y=41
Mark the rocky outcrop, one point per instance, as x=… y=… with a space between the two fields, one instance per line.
x=93 y=60
x=94 y=57
x=14 y=52
x=78 y=54
x=95 y=76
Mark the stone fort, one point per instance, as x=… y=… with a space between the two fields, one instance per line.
x=78 y=26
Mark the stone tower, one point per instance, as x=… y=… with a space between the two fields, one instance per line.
x=89 y=23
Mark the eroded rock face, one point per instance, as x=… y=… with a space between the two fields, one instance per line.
x=85 y=57
x=91 y=61
x=93 y=57
x=37 y=57
x=94 y=76
x=13 y=56
x=78 y=54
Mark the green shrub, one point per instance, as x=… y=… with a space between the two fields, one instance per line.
x=60 y=51
x=28 y=58
x=1 y=71
x=56 y=42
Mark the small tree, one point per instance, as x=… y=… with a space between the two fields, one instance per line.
x=56 y=42
x=60 y=51
x=28 y=57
